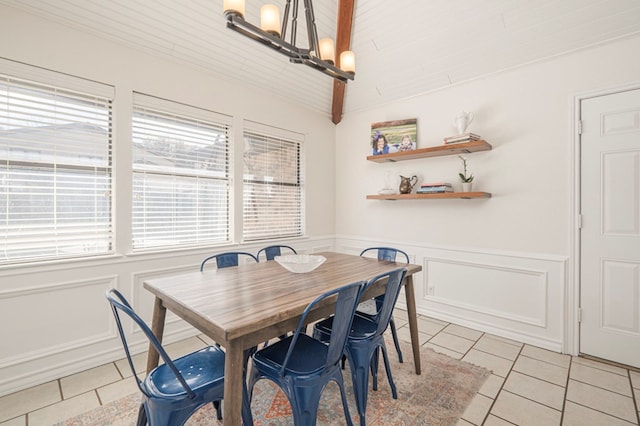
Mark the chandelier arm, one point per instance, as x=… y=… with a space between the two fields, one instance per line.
x=294 y=22
x=328 y=69
x=312 y=32
x=238 y=24
x=285 y=20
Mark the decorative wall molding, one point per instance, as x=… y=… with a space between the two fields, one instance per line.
x=540 y=279
x=514 y=295
x=536 y=282
x=50 y=292
x=60 y=335
x=54 y=300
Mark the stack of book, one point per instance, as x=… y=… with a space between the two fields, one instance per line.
x=465 y=137
x=435 y=188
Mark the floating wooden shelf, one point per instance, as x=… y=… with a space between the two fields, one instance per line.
x=434 y=151
x=443 y=195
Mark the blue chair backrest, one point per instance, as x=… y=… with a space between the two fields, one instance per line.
x=394 y=284
x=345 y=309
x=225 y=260
x=387 y=253
x=272 y=251
x=120 y=305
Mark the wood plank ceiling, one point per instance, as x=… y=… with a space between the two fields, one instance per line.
x=402 y=47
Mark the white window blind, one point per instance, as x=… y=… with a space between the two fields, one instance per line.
x=273 y=185
x=55 y=167
x=180 y=175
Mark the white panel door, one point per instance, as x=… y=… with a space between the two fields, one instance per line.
x=610 y=237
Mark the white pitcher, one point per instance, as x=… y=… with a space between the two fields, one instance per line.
x=462 y=121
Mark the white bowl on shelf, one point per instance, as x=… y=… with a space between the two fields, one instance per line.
x=300 y=263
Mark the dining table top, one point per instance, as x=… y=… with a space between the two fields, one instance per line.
x=230 y=303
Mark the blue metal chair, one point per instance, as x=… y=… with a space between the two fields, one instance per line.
x=272 y=251
x=302 y=366
x=176 y=389
x=366 y=339
x=224 y=260
x=391 y=254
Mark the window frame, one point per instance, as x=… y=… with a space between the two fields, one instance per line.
x=61 y=106
x=270 y=133
x=187 y=116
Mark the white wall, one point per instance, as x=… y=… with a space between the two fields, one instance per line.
x=54 y=318
x=501 y=264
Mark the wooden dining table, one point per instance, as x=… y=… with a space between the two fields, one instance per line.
x=242 y=307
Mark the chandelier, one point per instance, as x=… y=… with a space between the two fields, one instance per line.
x=272 y=35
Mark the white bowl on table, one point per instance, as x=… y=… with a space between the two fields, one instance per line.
x=300 y=263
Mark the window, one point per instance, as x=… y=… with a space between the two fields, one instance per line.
x=180 y=175
x=273 y=183
x=55 y=165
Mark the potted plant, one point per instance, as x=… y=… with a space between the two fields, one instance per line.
x=465 y=178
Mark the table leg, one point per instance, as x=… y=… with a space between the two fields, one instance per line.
x=413 y=321
x=157 y=326
x=233 y=384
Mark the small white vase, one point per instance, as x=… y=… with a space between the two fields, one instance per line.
x=462 y=121
x=466 y=186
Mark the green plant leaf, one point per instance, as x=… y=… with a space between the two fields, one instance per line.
x=464 y=178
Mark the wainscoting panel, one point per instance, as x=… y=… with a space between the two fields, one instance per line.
x=55 y=320
x=52 y=327
x=474 y=287
x=56 y=308
x=509 y=294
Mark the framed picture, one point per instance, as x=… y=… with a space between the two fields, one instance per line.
x=394 y=136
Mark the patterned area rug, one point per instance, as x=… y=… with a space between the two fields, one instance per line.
x=438 y=396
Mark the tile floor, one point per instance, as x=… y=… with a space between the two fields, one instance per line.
x=529 y=385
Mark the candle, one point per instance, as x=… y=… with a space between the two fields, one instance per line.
x=235 y=7
x=327 y=51
x=270 y=19
x=348 y=62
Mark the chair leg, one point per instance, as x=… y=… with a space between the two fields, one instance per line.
x=374 y=369
x=343 y=395
x=170 y=418
x=396 y=342
x=248 y=380
x=142 y=416
x=304 y=403
x=218 y=407
x=360 y=363
x=385 y=357
x=247 y=417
